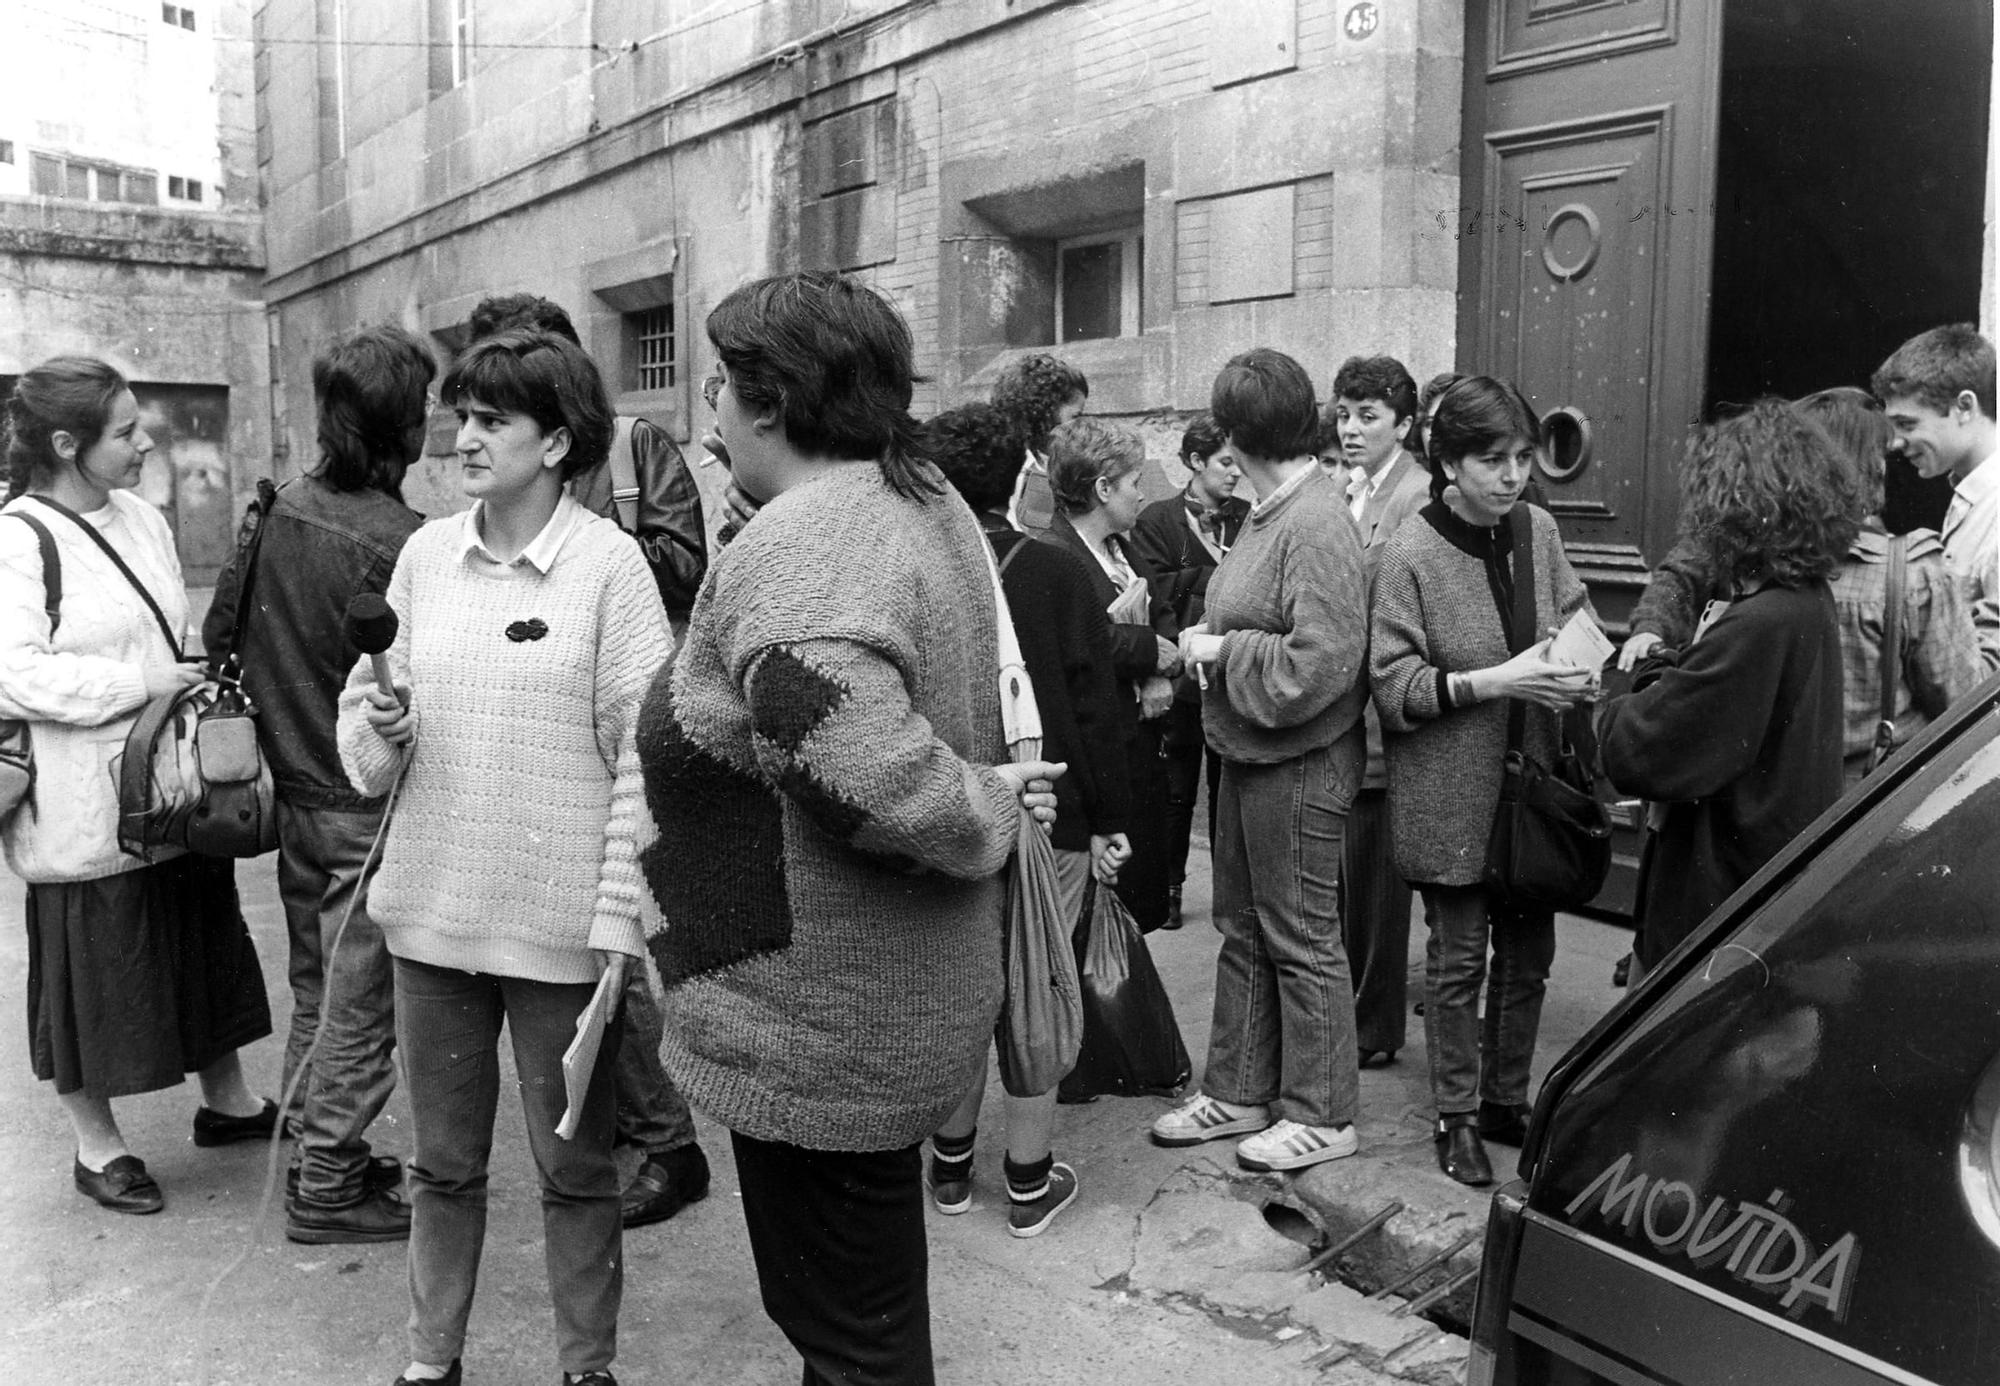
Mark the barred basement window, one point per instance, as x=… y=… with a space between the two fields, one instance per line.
x=653 y=346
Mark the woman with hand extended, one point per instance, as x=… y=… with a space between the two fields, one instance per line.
x=1736 y=736
x=1094 y=470
x=1446 y=684
x=509 y=886
x=138 y=973
x=1280 y=651
x=825 y=762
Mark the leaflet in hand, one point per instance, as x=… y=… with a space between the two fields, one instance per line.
x=1580 y=644
x=580 y=1059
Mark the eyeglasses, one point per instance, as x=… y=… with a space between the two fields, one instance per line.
x=711 y=387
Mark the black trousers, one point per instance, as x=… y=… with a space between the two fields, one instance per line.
x=1185 y=751
x=1375 y=925
x=838 y=1238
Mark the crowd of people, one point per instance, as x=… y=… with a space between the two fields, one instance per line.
x=791 y=749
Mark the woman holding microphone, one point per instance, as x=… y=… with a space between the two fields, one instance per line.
x=510 y=880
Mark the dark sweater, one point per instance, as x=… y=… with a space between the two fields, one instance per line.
x=1740 y=741
x=1066 y=643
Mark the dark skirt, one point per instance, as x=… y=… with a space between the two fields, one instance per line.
x=138 y=978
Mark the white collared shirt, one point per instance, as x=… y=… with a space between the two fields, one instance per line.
x=1972 y=550
x=542 y=550
x=1265 y=503
x=1362 y=487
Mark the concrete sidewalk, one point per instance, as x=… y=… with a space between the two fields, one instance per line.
x=1171 y=1267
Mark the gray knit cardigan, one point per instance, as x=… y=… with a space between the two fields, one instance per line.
x=1434 y=610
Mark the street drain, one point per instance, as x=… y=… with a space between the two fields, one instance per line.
x=1427 y=1288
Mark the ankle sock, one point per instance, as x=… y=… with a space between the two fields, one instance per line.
x=951 y=1156
x=1026 y=1183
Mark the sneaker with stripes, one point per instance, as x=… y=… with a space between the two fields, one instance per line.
x=1293 y=1145
x=1030 y=1211
x=1204 y=1118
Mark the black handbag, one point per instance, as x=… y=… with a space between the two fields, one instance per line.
x=191 y=774
x=17 y=745
x=1550 y=844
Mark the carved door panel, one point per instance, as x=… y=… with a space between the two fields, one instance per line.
x=1589 y=172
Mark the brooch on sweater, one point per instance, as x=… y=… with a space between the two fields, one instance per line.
x=532 y=629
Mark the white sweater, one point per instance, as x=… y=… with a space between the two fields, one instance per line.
x=512 y=846
x=83 y=689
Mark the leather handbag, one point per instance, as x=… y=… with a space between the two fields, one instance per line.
x=192 y=776
x=1041 y=1017
x=1550 y=844
x=17 y=743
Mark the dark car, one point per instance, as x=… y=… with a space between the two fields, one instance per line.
x=1778 y=1160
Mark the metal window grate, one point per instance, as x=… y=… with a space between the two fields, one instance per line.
x=653 y=335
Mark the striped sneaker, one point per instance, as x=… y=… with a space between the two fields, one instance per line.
x=1290 y=1145
x=1031 y=1216
x=1204 y=1118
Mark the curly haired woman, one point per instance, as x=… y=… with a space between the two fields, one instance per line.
x=1038 y=392
x=1737 y=736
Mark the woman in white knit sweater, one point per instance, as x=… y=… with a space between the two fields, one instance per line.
x=137 y=972
x=528 y=631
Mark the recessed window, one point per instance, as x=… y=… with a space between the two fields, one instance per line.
x=178 y=16
x=52 y=175
x=6 y=151
x=450 y=44
x=1097 y=285
x=652 y=351
x=181 y=189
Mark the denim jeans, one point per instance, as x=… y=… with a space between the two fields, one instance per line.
x=1375 y=925
x=652 y=1114
x=449 y=1025
x=1473 y=1058
x=320 y=854
x=1284 y=1006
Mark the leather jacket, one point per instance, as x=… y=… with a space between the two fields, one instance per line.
x=670 y=525
x=321 y=549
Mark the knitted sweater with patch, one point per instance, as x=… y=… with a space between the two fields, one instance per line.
x=817 y=760
x=513 y=849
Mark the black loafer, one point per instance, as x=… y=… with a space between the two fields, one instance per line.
x=664 y=1185
x=123 y=1186
x=214 y=1128
x=1460 y=1153
x=451 y=1377
x=1504 y=1123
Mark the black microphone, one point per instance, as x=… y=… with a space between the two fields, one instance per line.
x=371 y=625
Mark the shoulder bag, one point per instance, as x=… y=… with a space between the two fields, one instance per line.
x=17 y=746
x=191 y=775
x=1550 y=844
x=1041 y=1018
x=1890 y=665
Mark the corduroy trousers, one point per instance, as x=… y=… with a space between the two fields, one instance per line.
x=838 y=1238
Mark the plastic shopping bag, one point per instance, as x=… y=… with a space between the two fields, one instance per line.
x=1041 y=1021
x=1131 y=1042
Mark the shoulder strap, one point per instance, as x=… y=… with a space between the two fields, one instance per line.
x=51 y=569
x=90 y=531
x=1523 y=635
x=624 y=461
x=1013 y=551
x=254 y=519
x=1891 y=657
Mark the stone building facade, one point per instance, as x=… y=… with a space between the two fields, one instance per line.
x=130 y=230
x=1144 y=187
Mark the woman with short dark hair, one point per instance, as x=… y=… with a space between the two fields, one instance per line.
x=1446 y=682
x=1280 y=648
x=1737 y=735
x=139 y=972
x=1039 y=392
x=825 y=761
x=509 y=887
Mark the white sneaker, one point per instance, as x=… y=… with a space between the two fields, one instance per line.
x=1290 y=1145
x=1204 y=1118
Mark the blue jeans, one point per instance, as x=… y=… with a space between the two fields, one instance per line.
x=1490 y=1058
x=320 y=855
x=449 y=1024
x=1284 y=1004
x=652 y=1114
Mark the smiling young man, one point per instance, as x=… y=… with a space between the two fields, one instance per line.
x=1937 y=389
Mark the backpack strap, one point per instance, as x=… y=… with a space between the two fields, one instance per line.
x=249 y=545
x=1890 y=660
x=1013 y=551
x=51 y=569
x=624 y=463
x=90 y=530
x=1522 y=636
